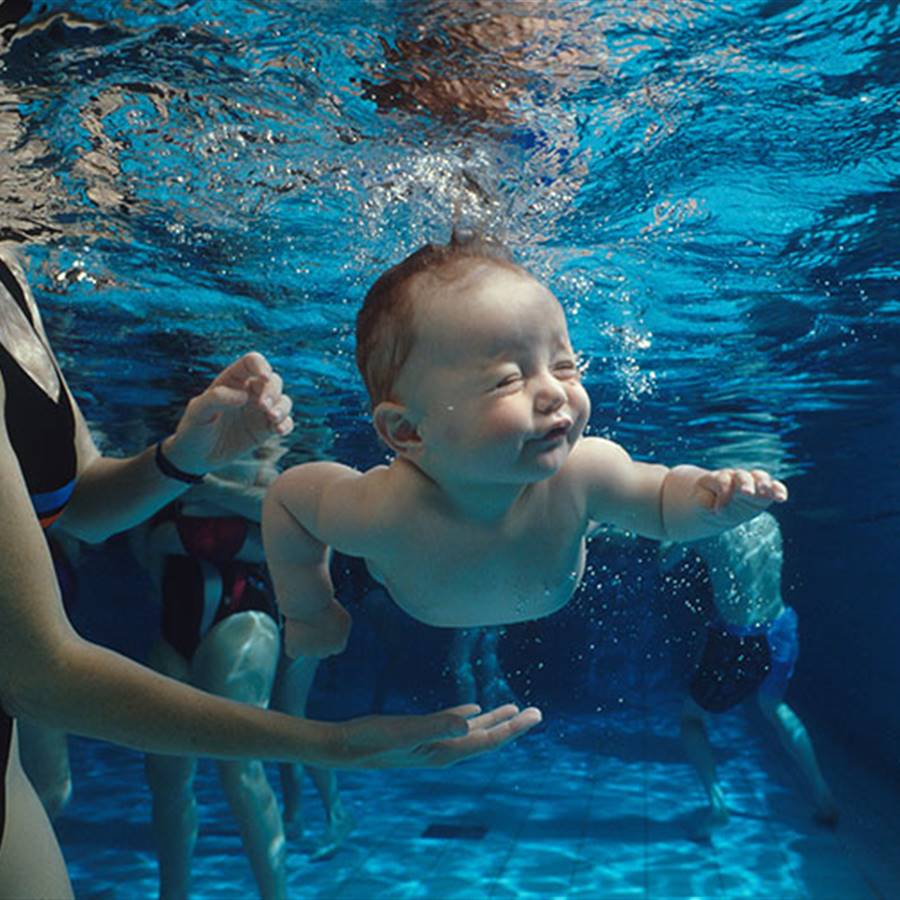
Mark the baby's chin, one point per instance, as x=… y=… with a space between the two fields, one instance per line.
x=547 y=463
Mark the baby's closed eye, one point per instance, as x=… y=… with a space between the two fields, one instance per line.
x=507 y=380
x=566 y=368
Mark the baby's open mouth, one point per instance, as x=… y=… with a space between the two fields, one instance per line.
x=555 y=434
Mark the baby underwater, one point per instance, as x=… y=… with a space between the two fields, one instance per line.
x=482 y=516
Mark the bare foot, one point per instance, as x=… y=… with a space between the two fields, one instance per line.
x=339 y=826
x=713 y=818
x=711 y=821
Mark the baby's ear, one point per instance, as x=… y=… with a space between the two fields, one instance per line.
x=394 y=427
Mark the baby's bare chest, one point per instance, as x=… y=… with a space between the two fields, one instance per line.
x=469 y=577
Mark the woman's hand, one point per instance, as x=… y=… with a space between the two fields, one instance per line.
x=432 y=741
x=241 y=409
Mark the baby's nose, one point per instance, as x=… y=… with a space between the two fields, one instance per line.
x=550 y=396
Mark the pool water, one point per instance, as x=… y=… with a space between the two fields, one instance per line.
x=710 y=189
x=610 y=822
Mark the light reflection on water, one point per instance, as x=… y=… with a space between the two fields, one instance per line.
x=611 y=823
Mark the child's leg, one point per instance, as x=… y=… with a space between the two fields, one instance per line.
x=237 y=659
x=174 y=807
x=700 y=753
x=45 y=757
x=795 y=738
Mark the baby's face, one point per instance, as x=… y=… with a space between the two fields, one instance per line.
x=492 y=383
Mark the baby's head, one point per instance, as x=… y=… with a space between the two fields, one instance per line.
x=469 y=366
x=386 y=327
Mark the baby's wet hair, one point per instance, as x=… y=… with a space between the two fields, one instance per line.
x=384 y=324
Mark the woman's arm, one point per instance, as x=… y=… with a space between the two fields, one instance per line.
x=51 y=674
x=243 y=407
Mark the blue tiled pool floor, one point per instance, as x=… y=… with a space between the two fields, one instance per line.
x=593 y=807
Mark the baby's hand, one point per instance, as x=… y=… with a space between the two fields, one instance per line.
x=321 y=635
x=738 y=495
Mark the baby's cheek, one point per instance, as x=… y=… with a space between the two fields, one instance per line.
x=580 y=404
x=509 y=422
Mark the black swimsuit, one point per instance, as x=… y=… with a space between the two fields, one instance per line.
x=42 y=434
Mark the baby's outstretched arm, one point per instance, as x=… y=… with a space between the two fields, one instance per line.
x=684 y=503
x=300 y=521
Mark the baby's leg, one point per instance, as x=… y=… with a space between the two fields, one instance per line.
x=294 y=682
x=795 y=738
x=462 y=665
x=496 y=689
x=700 y=753
x=237 y=659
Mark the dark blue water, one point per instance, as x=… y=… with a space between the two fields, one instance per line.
x=710 y=189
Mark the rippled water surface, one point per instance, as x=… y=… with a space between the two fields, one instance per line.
x=708 y=187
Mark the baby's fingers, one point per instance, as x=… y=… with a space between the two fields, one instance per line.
x=744 y=482
x=770 y=487
x=720 y=487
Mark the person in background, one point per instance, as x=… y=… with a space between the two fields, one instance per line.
x=750 y=650
x=50 y=470
x=476 y=666
x=219 y=632
x=290 y=694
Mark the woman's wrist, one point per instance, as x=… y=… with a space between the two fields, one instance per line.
x=168 y=463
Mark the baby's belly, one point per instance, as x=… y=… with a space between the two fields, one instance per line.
x=472 y=605
x=453 y=613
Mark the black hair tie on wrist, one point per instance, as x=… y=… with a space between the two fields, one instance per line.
x=172 y=471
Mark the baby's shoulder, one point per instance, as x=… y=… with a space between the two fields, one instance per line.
x=384 y=489
x=592 y=456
